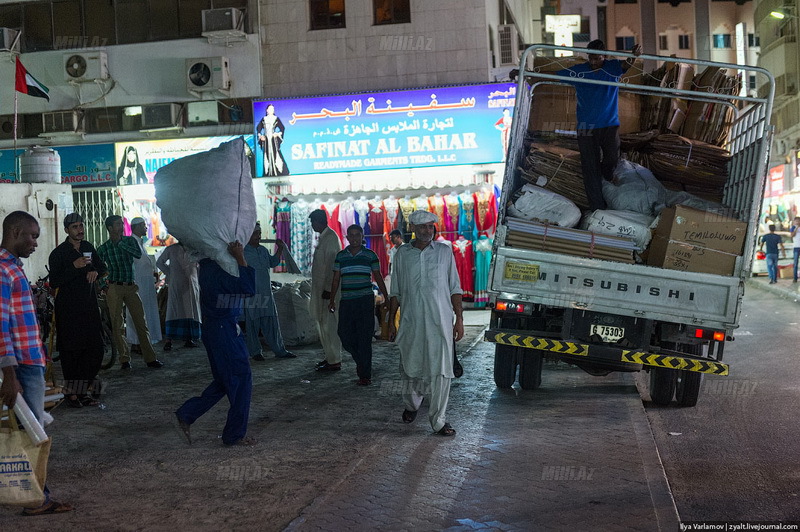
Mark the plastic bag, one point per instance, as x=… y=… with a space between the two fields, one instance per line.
x=207 y=201
x=541 y=205
x=627 y=224
x=23 y=467
x=636 y=189
x=297 y=325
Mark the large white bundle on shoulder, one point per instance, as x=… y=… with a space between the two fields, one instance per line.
x=541 y=205
x=207 y=201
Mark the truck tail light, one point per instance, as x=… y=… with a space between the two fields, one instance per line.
x=510 y=306
x=705 y=334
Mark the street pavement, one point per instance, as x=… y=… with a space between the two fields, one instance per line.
x=785 y=288
x=577 y=454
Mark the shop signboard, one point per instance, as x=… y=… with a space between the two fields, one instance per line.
x=138 y=162
x=375 y=131
x=774 y=182
x=87 y=165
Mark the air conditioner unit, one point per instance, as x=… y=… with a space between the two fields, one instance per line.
x=7 y=40
x=62 y=122
x=7 y=127
x=207 y=74
x=160 y=115
x=509 y=44
x=85 y=66
x=223 y=21
x=202 y=113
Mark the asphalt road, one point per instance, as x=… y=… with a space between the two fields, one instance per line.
x=734 y=457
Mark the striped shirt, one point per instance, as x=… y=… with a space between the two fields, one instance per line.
x=20 y=341
x=356 y=272
x=118 y=257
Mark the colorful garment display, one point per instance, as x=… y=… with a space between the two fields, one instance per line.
x=483 y=257
x=465 y=263
x=466 y=217
x=485 y=211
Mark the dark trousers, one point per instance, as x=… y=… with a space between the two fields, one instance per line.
x=599 y=156
x=230 y=367
x=356 y=327
x=80 y=368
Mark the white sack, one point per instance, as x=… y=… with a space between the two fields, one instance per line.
x=297 y=326
x=541 y=205
x=636 y=189
x=207 y=201
x=627 y=224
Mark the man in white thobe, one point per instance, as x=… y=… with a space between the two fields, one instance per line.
x=144 y=275
x=321 y=279
x=425 y=284
x=260 y=313
x=183 y=296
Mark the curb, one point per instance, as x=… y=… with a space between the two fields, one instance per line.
x=778 y=289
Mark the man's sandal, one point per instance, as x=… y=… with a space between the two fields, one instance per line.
x=409 y=416
x=447 y=430
x=52 y=507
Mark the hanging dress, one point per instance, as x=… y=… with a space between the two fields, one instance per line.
x=462 y=249
x=483 y=257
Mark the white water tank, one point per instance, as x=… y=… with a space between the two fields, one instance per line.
x=40 y=165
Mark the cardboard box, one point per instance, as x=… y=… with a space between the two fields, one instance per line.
x=703 y=229
x=674 y=255
x=786 y=272
x=553 y=108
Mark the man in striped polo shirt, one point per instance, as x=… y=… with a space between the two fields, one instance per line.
x=354 y=268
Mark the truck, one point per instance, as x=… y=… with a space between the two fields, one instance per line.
x=603 y=315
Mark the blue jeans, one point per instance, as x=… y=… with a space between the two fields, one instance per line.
x=772 y=266
x=31 y=378
x=796 y=256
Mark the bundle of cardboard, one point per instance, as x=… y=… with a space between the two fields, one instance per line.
x=561 y=169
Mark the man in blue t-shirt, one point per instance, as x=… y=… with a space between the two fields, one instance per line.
x=598 y=118
x=772 y=241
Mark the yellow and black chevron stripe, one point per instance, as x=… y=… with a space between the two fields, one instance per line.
x=545 y=344
x=625 y=355
x=675 y=362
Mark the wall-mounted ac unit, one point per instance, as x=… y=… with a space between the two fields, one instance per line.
x=205 y=74
x=509 y=44
x=160 y=115
x=202 y=113
x=7 y=40
x=7 y=127
x=223 y=20
x=85 y=66
x=62 y=122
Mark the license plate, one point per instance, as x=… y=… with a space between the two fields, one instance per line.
x=607 y=333
x=520 y=271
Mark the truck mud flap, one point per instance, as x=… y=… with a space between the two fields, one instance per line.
x=577 y=349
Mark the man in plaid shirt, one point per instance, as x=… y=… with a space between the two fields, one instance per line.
x=118 y=253
x=22 y=355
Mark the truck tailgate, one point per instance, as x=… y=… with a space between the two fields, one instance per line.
x=706 y=300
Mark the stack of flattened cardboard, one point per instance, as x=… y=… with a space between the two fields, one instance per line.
x=532 y=235
x=561 y=167
x=691 y=240
x=710 y=122
x=663 y=112
x=684 y=164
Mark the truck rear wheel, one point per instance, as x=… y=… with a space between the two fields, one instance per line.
x=505 y=365
x=662 y=386
x=530 y=368
x=687 y=389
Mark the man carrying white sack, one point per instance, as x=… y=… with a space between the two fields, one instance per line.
x=425 y=284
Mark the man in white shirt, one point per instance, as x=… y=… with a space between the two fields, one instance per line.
x=321 y=279
x=425 y=284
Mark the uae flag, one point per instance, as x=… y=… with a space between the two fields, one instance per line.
x=27 y=84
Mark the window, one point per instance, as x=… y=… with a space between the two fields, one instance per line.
x=751 y=82
x=391 y=11
x=625 y=43
x=753 y=40
x=722 y=40
x=164 y=20
x=683 y=42
x=67 y=25
x=132 y=21
x=662 y=42
x=37 y=32
x=326 y=14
